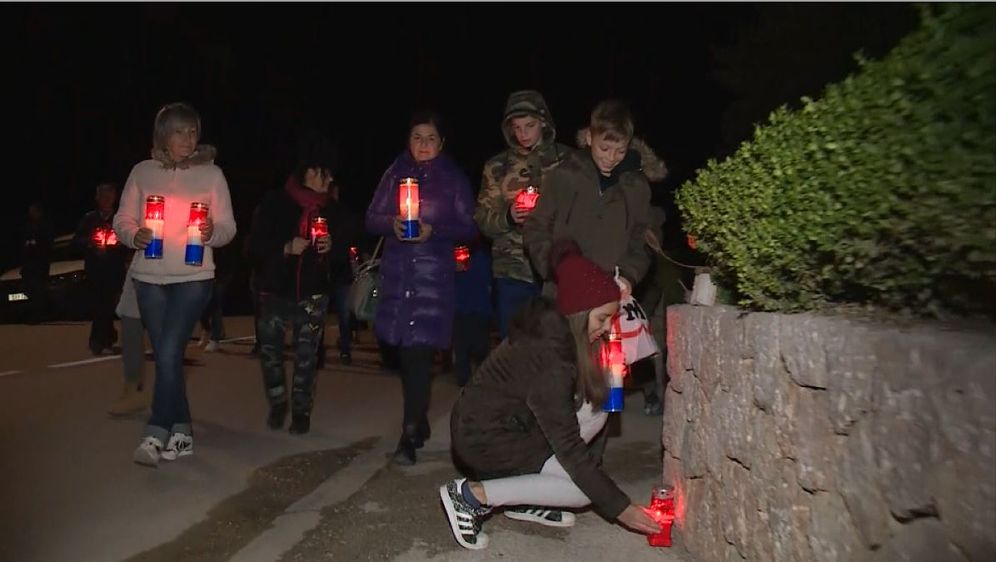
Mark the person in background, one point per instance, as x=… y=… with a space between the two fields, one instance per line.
x=213 y=317
x=172 y=294
x=294 y=281
x=472 y=325
x=36 y=259
x=346 y=230
x=532 y=153
x=104 y=262
x=416 y=303
x=135 y=397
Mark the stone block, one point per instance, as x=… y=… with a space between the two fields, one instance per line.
x=858 y=483
x=851 y=367
x=832 y=536
x=789 y=516
x=908 y=452
x=734 y=408
x=966 y=502
x=785 y=411
x=711 y=352
x=801 y=340
x=761 y=334
x=921 y=540
x=814 y=440
x=736 y=483
x=673 y=428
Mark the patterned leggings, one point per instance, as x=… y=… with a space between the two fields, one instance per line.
x=307 y=316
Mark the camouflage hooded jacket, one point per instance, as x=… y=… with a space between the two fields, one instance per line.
x=506 y=174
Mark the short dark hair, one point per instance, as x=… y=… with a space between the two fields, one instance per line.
x=428 y=117
x=315 y=150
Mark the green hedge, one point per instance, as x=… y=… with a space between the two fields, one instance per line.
x=882 y=192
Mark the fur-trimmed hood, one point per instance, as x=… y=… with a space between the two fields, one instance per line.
x=652 y=165
x=203 y=154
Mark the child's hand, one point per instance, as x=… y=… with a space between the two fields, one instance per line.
x=624 y=287
x=636 y=518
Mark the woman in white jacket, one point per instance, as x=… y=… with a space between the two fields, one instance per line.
x=172 y=294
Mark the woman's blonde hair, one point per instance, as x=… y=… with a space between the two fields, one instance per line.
x=591 y=380
x=170 y=118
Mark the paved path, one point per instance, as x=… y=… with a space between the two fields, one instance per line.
x=70 y=492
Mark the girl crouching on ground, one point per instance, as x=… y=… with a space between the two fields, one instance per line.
x=521 y=427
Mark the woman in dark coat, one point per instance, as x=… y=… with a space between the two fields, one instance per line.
x=417 y=289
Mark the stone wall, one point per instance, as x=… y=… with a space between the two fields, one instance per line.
x=817 y=438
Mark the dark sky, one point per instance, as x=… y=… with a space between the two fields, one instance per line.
x=86 y=81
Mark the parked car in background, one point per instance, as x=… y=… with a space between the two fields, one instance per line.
x=66 y=288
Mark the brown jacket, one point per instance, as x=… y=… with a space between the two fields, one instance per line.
x=519 y=409
x=609 y=227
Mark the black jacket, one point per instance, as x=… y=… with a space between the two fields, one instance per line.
x=296 y=277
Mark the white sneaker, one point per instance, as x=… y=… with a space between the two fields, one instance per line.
x=464 y=520
x=148 y=451
x=543 y=516
x=204 y=339
x=211 y=346
x=180 y=445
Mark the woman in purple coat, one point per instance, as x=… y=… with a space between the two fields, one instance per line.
x=417 y=288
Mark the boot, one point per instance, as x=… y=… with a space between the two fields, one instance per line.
x=300 y=423
x=131 y=401
x=405 y=453
x=278 y=413
x=422 y=433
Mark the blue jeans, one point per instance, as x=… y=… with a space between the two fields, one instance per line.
x=510 y=296
x=170 y=313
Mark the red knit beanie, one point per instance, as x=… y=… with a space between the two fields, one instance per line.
x=581 y=285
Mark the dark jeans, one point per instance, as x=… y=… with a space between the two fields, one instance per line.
x=510 y=296
x=307 y=316
x=104 y=295
x=170 y=313
x=416 y=382
x=471 y=343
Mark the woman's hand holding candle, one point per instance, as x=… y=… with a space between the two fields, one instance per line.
x=295 y=246
x=207 y=229
x=142 y=238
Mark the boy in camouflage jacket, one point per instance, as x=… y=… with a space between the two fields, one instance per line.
x=530 y=133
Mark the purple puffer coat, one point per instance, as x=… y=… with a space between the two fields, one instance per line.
x=417 y=287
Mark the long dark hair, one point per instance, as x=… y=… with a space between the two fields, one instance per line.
x=568 y=336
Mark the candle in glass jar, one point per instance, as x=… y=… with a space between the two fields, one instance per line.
x=155 y=215
x=194 y=254
x=662 y=510
x=526 y=199
x=462 y=255
x=614 y=362
x=319 y=228
x=408 y=207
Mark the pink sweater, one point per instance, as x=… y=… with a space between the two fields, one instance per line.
x=203 y=183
